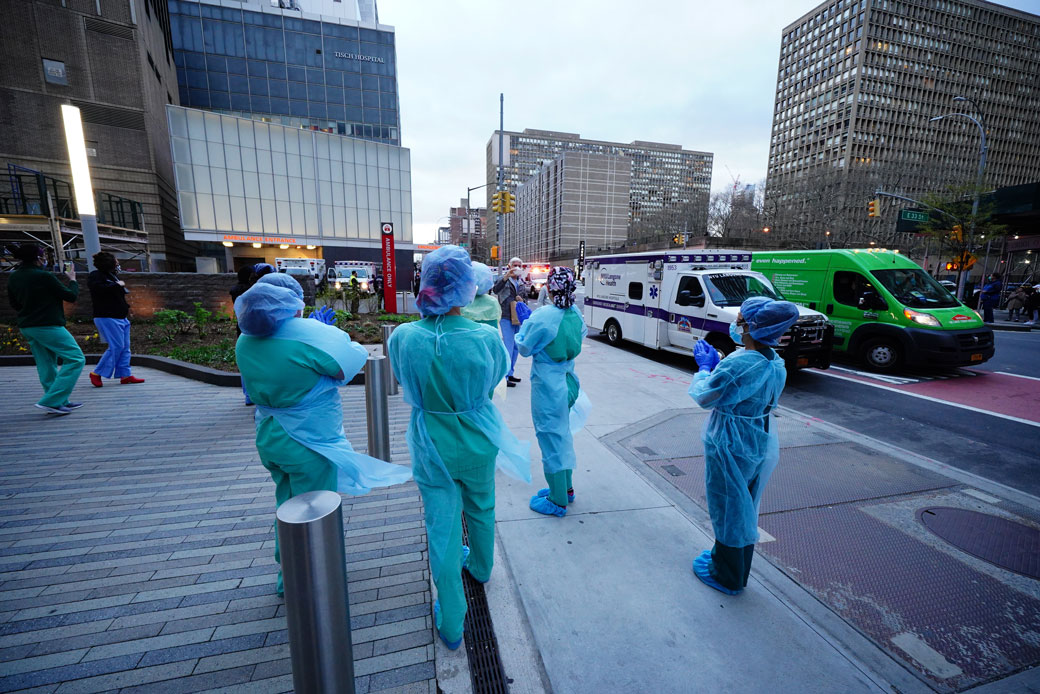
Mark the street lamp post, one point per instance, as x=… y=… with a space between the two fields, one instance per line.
x=81 y=181
x=978 y=177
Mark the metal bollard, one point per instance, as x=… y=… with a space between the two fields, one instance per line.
x=377 y=407
x=391 y=381
x=317 y=610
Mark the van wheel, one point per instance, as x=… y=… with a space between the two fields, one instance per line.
x=722 y=343
x=613 y=331
x=881 y=354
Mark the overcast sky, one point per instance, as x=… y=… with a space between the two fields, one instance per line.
x=695 y=73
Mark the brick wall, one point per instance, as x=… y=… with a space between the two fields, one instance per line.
x=151 y=291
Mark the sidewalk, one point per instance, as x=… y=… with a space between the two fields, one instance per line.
x=136 y=548
x=849 y=591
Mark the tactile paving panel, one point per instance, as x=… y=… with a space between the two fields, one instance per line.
x=1009 y=545
x=963 y=627
x=810 y=476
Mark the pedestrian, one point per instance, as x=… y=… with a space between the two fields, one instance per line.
x=741 y=448
x=293 y=368
x=989 y=297
x=377 y=287
x=509 y=290
x=543 y=297
x=108 y=297
x=1033 y=305
x=37 y=296
x=484 y=307
x=416 y=279
x=553 y=336
x=447 y=366
x=1016 y=304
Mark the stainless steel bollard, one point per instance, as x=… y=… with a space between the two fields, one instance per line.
x=377 y=408
x=317 y=610
x=391 y=381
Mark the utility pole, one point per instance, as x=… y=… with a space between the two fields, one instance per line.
x=501 y=138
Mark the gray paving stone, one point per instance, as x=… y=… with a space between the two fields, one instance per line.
x=170 y=616
x=127 y=678
x=43 y=635
x=391 y=661
x=97 y=639
x=217 y=620
x=67 y=673
x=221 y=680
x=253 y=656
x=276 y=685
x=391 y=629
x=201 y=650
x=142 y=645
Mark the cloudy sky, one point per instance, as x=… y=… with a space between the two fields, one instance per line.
x=691 y=72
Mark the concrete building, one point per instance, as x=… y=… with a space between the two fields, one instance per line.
x=857 y=84
x=577 y=197
x=669 y=184
x=114 y=60
x=467 y=223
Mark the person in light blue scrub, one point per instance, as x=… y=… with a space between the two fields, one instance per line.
x=484 y=308
x=741 y=448
x=553 y=336
x=448 y=367
x=293 y=368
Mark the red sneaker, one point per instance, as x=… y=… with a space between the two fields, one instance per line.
x=95 y=380
x=131 y=379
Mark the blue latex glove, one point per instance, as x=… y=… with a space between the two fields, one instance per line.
x=706 y=356
x=324 y=314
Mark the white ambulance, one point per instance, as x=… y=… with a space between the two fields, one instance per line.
x=315 y=267
x=670 y=299
x=342 y=270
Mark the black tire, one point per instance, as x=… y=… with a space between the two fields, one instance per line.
x=722 y=343
x=881 y=354
x=613 y=332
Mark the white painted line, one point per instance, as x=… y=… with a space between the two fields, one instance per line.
x=982 y=496
x=1005 y=373
x=763 y=536
x=926 y=656
x=931 y=399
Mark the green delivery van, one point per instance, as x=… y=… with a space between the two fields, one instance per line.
x=885 y=309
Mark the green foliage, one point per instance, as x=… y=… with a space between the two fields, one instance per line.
x=398 y=318
x=206 y=355
x=343 y=318
x=201 y=318
x=169 y=316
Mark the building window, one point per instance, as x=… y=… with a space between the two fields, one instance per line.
x=54 y=72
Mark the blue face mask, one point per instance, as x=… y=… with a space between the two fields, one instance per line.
x=735 y=334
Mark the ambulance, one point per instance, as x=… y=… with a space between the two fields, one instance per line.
x=670 y=300
x=315 y=267
x=341 y=272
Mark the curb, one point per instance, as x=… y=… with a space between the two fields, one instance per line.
x=215 y=377
x=1010 y=327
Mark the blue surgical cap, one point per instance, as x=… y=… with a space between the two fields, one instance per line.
x=768 y=319
x=447 y=281
x=261 y=269
x=264 y=307
x=483 y=277
x=281 y=279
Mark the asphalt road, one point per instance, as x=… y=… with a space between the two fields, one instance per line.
x=993 y=447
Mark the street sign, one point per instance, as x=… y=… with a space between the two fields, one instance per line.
x=389 y=266
x=914 y=216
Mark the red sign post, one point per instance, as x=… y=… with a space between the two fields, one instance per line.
x=389 y=280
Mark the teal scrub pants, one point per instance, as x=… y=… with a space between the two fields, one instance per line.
x=48 y=344
x=475 y=490
x=559 y=484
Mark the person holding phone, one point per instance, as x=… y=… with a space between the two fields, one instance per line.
x=508 y=289
x=38 y=296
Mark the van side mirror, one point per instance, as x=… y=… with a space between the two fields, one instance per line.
x=872 y=301
x=687 y=299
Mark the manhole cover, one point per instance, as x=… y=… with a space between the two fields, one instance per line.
x=1007 y=544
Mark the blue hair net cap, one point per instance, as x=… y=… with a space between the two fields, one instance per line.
x=483 y=277
x=768 y=319
x=447 y=281
x=281 y=279
x=264 y=307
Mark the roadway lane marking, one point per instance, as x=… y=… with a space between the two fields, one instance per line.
x=930 y=399
x=763 y=536
x=981 y=496
x=927 y=657
x=1031 y=378
x=894 y=380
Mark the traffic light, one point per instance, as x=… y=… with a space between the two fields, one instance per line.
x=508 y=202
x=676 y=239
x=958 y=233
x=952 y=266
x=874 y=208
x=498 y=201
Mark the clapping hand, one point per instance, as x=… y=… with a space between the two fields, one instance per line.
x=706 y=356
x=324 y=314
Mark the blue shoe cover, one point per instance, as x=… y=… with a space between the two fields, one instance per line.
x=545 y=493
x=702 y=568
x=542 y=505
x=452 y=645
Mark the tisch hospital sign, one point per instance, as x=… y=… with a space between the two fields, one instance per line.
x=358 y=56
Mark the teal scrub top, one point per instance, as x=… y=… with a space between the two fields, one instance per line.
x=567 y=346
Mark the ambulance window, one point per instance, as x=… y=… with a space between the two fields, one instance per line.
x=849 y=287
x=635 y=290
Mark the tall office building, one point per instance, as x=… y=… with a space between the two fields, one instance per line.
x=577 y=197
x=318 y=64
x=669 y=184
x=114 y=60
x=857 y=84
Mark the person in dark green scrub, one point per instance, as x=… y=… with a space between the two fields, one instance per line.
x=37 y=296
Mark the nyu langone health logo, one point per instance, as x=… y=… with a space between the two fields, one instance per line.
x=358 y=56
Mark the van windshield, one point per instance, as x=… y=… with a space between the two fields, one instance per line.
x=915 y=288
x=732 y=290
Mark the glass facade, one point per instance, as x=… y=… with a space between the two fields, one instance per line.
x=277 y=67
x=248 y=181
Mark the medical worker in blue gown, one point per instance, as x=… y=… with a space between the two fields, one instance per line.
x=553 y=336
x=740 y=443
x=448 y=367
x=293 y=368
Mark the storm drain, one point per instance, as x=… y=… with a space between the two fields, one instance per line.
x=485 y=665
x=1007 y=544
